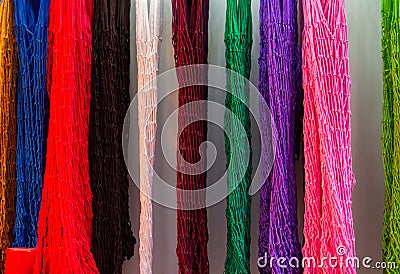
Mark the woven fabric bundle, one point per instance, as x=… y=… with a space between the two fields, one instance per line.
x=238 y=43
x=391 y=130
x=31 y=26
x=280 y=85
x=8 y=126
x=329 y=179
x=148 y=41
x=190 y=41
x=113 y=240
x=65 y=218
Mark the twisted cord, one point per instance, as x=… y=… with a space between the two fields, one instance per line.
x=31 y=26
x=280 y=85
x=391 y=130
x=148 y=41
x=113 y=240
x=190 y=41
x=8 y=125
x=65 y=218
x=238 y=43
x=329 y=178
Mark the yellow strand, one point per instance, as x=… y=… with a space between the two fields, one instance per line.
x=8 y=81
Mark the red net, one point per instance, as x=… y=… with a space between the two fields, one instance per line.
x=65 y=219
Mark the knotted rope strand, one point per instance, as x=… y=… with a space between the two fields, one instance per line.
x=328 y=224
x=31 y=27
x=8 y=125
x=238 y=43
x=391 y=130
x=65 y=218
x=148 y=41
x=113 y=240
x=280 y=85
x=190 y=41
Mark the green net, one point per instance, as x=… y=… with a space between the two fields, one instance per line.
x=390 y=130
x=238 y=42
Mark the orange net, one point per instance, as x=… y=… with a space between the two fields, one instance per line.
x=8 y=82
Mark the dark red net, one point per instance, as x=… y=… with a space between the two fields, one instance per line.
x=190 y=41
x=113 y=240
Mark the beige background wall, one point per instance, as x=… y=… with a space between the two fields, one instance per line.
x=366 y=69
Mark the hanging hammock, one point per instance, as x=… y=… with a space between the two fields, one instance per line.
x=328 y=224
x=8 y=127
x=280 y=85
x=65 y=218
x=31 y=25
x=148 y=41
x=113 y=240
x=391 y=130
x=190 y=41
x=238 y=43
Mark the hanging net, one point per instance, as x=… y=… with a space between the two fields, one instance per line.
x=280 y=85
x=238 y=43
x=329 y=179
x=190 y=41
x=8 y=127
x=113 y=240
x=65 y=218
x=31 y=28
x=391 y=130
x=148 y=40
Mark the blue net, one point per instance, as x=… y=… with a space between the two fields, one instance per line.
x=31 y=24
